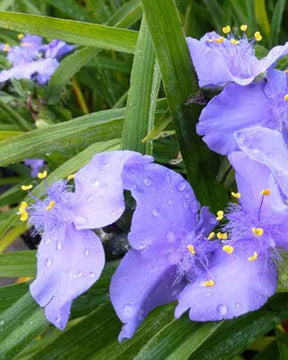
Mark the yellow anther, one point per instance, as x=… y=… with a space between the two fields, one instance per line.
x=51 y=205
x=258 y=36
x=254 y=257
x=236 y=195
x=228 y=249
x=226 y=29
x=191 y=249
x=234 y=42
x=222 y=236
x=220 y=215
x=243 y=27
x=286 y=71
x=209 y=283
x=71 y=177
x=211 y=235
x=23 y=215
x=42 y=175
x=23 y=205
x=26 y=187
x=286 y=97
x=6 y=48
x=220 y=40
x=20 y=36
x=258 y=231
x=265 y=192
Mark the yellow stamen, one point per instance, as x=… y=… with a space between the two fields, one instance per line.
x=209 y=283
x=26 y=187
x=226 y=29
x=265 y=192
x=71 y=177
x=243 y=27
x=286 y=71
x=23 y=205
x=228 y=249
x=6 y=48
x=236 y=195
x=191 y=249
x=254 y=257
x=211 y=235
x=23 y=215
x=222 y=236
x=20 y=36
x=51 y=205
x=234 y=42
x=286 y=97
x=220 y=40
x=258 y=231
x=220 y=215
x=42 y=175
x=258 y=36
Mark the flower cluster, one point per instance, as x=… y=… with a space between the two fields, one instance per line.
x=216 y=266
x=32 y=59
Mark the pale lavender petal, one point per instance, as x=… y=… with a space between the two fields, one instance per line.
x=100 y=186
x=274 y=54
x=57 y=49
x=69 y=261
x=252 y=178
x=139 y=285
x=166 y=207
x=240 y=286
x=233 y=110
x=35 y=165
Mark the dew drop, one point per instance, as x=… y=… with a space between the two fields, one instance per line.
x=90 y=198
x=91 y=275
x=222 y=309
x=128 y=311
x=155 y=212
x=181 y=186
x=59 y=245
x=170 y=202
x=208 y=293
x=87 y=252
x=170 y=236
x=112 y=212
x=147 y=181
x=48 y=262
x=96 y=183
x=79 y=274
x=142 y=246
x=284 y=277
x=240 y=137
x=237 y=305
x=80 y=220
x=2 y=322
x=58 y=320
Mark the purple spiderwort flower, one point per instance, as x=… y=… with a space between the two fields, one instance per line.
x=35 y=165
x=219 y=61
x=245 y=269
x=237 y=107
x=33 y=60
x=70 y=257
x=169 y=244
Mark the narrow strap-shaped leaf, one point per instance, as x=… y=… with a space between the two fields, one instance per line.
x=277 y=20
x=76 y=32
x=262 y=17
x=141 y=97
x=22 y=123
x=184 y=96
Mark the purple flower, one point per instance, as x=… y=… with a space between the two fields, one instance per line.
x=245 y=269
x=169 y=243
x=237 y=107
x=70 y=256
x=33 y=60
x=218 y=60
x=35 y=165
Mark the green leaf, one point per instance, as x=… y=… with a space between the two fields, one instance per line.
x=143 y=92
x=282 y=342
x=100 y=36
x=18 y=263
x=9 y=294
x=184 y=96
x=4 y=135
x=215 y=12
x=262 y=17
x=276 y=21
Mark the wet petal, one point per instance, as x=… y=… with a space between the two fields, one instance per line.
x=230 y=111
x=100 y=185
x=69 y=261
x=252 y=178
x=138 y=286
x=274 y=54
x=240 y=286
x=267 y=147
x=166 y=206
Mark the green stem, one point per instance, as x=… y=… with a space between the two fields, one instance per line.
x=18 y=119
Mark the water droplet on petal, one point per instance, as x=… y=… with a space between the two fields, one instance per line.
x=49 y=262
x=92 y=274
x=112 y=212
x=59 y=245
x=170 y=236
x=181 y=186
x=237 y=305
x=90 y=198
x=128 y=311
x=87 y=252
x=142 y=246
x=147 y=181
x=222 y=309
x=96 y=183
x=170 y=202
x=48 y=240
x=208 y=293
x=79 y=220
x=155 y=212
x=58 y=320
x=240 y=137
